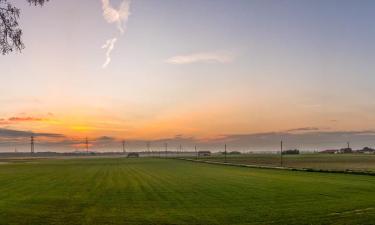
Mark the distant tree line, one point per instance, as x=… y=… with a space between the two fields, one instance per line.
x=232 y=153
x=291 y=152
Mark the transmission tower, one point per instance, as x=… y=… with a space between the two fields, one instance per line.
x=148 y=147
x=123 y=147
x=281 y=153
x=225 y=152
x=166 y=149
x=32 y=144
x=87 y=145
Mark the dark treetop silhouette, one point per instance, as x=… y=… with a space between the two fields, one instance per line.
x=10 y=33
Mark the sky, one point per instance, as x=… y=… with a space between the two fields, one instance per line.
x=244 y=72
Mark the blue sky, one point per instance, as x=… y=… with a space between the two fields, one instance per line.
x=192 y=68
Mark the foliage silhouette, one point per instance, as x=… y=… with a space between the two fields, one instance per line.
x=10 y=33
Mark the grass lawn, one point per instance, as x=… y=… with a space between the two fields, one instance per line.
x=356 y=162
x=167 y=191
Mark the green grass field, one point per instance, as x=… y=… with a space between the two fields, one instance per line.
x=337 y=162
x=167 y=191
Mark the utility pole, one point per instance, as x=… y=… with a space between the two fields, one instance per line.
x=87 y=145
x=225 y=152
x=148 y=147
x=348 y=143
x=281 y=153
x=123 y=147
x=32 y=144
x=196 y=152
x=166 y=150
x=180 y=150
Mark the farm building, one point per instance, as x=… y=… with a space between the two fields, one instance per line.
x=330 y=151
x=133 y=155
x=337 y=151
x=204 y=153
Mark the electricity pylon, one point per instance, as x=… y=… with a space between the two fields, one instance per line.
x=123 y=147
x=281 y=153
x=32 y=144
x=87 y=145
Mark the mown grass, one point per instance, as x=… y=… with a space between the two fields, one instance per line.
x=336 y=162
x=167 y=191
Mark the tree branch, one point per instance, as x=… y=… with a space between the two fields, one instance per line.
x=10 y=33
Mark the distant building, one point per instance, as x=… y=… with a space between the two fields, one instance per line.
x=330 y=151
x=204 y=153
x=133 y=155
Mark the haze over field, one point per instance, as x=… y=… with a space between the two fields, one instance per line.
x=245 y=73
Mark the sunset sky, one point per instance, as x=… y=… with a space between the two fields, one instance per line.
x=247 y=72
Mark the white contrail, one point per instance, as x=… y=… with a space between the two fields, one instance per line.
x=119 y=16
x=109 y=45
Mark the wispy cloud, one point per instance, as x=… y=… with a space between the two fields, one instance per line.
x=21 y=119
x=303 y=129
x=202 y=57
x=4 y=122
x=119 y=16
x=25 y=119
x=20 y=133
x=109 y=45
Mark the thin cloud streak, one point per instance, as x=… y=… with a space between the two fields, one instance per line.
x=203 y=57
x=120 y=17
x=17 y=119
x=7 y=133
x=303 y=129
x=25 y=119
x=109 y=46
